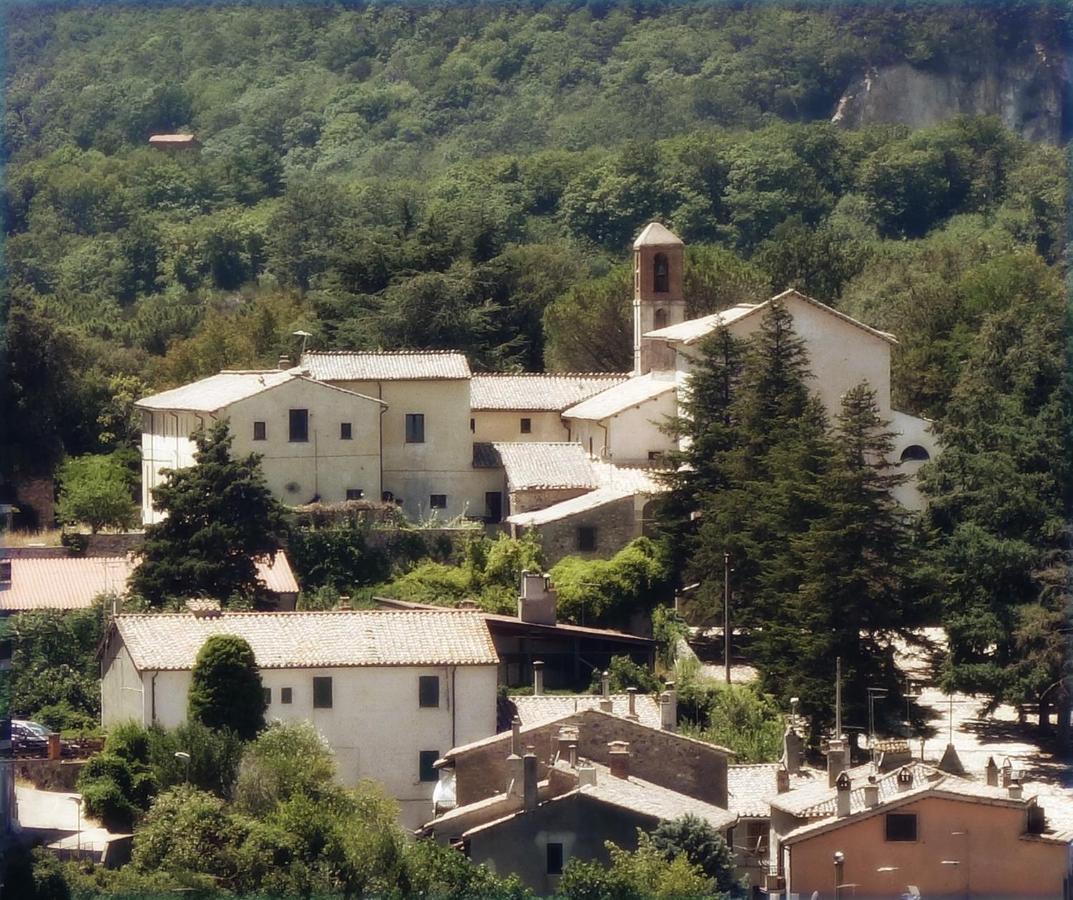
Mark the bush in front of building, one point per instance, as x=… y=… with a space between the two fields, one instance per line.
x=225 y=687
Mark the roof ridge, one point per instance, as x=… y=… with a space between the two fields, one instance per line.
x=384 y=353
x=234 y=613
x=551 y=374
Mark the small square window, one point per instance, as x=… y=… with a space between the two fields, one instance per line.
x=259 y=431
x=415 y=428
x=527 y=426
x=901 y=827
x=355 y=494
x=346 y=431
x=427 y=763
x=428 y=691
x=299 y=426
x=655 y=455
x=284 y=695
x=437 y=501
x=322 y=693
x=555 y=858
x=586 y=538
x=267 y=695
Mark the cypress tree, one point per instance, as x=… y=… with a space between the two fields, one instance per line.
x=225 y=687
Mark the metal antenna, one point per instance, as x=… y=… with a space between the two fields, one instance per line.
x=838 y=698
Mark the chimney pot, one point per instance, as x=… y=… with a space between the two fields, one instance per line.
x=515 y=734
x=631 y=694
x=586 y=774
x=782 y=780
x=573 y=756
x=668 y=708
x=871 y=792
x=529 y=778
x=837 y=750
x=344 y=602
x=1015 y=790
x=791 y=750
x=991 y=772
x=605 y=692
x=538 y=678
x=568 y=737
x=842 y=798
x=619 y=759
x=904 y=778
x=5 y=571
x=284 y=362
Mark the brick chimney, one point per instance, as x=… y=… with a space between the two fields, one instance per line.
x=529 y=780
x=782 y=780
x=791 y=750
x=515 y=769
x=668 y=708
x=1014 y=790
x=837 y=752
x=586 y=774
x=991 y=772
x=605 y=693
x=871 y=792
x=843 y=789
x=5 y=573
x=536 y=603
x=631 y=694
x=619 y=759
x=538 y=678
x=1007 y=772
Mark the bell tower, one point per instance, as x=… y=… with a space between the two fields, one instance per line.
x=657 y=293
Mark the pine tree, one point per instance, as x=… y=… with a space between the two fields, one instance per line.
x=221 y=516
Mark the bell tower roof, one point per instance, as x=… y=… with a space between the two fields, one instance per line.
x=656 y=235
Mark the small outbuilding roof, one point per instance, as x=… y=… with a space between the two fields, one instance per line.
x=545 y=464
x=382 y=365
x=306 y=640
x=750 y=787
x=656 y=235
x=537 y=392
x=544 y=708
x=621 y=397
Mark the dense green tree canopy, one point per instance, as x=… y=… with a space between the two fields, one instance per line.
x=225 y=687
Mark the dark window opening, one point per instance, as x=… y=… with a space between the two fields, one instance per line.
x=267 y=695
x=915 y=453
x=284 y=695
x=426 y=765
x=655 y=455
x=661 y=274
x=299 y=426
x=428 y=691
x=355 y=494
x=586 y=538
x=437 y=501
x=259 y=431
x=527 y=426
x=346 y=431
x=493 y=506
x=901 y=826
x=415 y=428
x=322 y=693
x=473 y=425
x=555 y=859
x=661 y=318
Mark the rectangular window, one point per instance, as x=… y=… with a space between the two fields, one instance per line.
x=555 y=858
x=527 y=426
x=355 y=494
x=426 y=765
x=268 y=695
x=472 y=425
x=655 y=455
x=322 y=693
x=415 y=428
x=428 y=691
x=437 y=501
x=259 y=431
x=346 y=431
x=299 y=426
x=284 y=695
x=901 y=827
x=586 y=538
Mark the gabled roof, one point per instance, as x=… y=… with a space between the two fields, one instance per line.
x=545 y=464
x=536 y=392
x=616 y=483
x=750 y=787
x=545 y=708
x=656 y=235
x=73 y=582
x=621 y=397
x=306 y=640
x=384 y=365
x=212 y=394
x=693 y=330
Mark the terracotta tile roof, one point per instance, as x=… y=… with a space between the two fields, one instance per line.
x=545 y=464
x=216 y=391
x=621 y=397
x=72 y=582
x=546 y=708
x=575 y=506
x=751 y=786
x=399 y=365
x=537 y=391
x=305 y=640
x=657 y=235
x=649 y=799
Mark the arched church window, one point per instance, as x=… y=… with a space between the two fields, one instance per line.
x=661 y=318
x=661 y=274
x=915 y=453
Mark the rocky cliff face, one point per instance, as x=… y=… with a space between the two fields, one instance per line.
x=1026 y=94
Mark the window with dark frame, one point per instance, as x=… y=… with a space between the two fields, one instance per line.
x=901 y=827
x=661 y=274
x=415 y=428
x=355 y=494
x=346 y=431
x=586 y=538
x=555 y=858
x=437 y=501
x=322 y=692
x=260 y=433
x=428 y=691
x=299 y=426
x=427 y=765
x=527 y=426
x=284 y=695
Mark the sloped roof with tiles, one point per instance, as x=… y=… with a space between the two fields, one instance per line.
x=536 y=392
x=751 y=786
x=216 y=391
x=306 y=640
x=545 y=464
x=656 y=235
x=621 y=397
x=616 y=483
x=549 y=707
x=72 y=582
x=382 y=365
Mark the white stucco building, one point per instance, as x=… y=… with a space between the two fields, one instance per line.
x=390 y=691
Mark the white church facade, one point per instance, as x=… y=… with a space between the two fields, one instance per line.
x=419 y=429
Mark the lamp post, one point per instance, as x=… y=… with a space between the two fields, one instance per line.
x=840 y=862
x=77 y=801
x=185 y=757
x=873 y=692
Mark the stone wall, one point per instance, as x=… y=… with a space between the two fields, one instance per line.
x=615 y=523
x=49 y=774
x=528 y=501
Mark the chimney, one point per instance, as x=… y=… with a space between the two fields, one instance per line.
x=568 y=736
x=344 y=602
x=573 y=756
x=284 y=362
x=1014 y=790
x=605 y=693
x=1007 y=772
x=538 y=678
x=904 y=778
x=515 y=773
x=5 y=573
x=991 y=772
x=871 y=792
x=782 y=780
x=631 y=694
x=515 y=735
x=586 y=774
x=668 y=708
x=791 y=750
x=842 y=797
x=203 y=608
x=536 y=604
x=529 y=780
x=837 y=751
x=620 y=759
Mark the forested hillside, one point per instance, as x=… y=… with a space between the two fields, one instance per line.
x=470 y=177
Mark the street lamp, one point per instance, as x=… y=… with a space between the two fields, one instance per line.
x=77 y=801
x=840 y=862
x=305 y=336
x=185 y=757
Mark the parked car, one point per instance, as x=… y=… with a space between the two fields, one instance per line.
x=29 y=737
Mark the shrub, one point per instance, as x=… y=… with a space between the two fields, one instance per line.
x=702 y=845
x=62 y=716
x=625 y=673
x=214 y=757
x=735 y=716
x=225 y=688
x=285 y=760
x=105 y=800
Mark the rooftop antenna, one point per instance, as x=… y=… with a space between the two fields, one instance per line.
x=838 y=698
x=305 y=336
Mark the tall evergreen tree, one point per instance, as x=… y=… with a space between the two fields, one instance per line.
x=225 y=687
x=221 y=516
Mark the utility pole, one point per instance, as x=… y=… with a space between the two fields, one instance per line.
x=838 y=698
x=726 y=615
